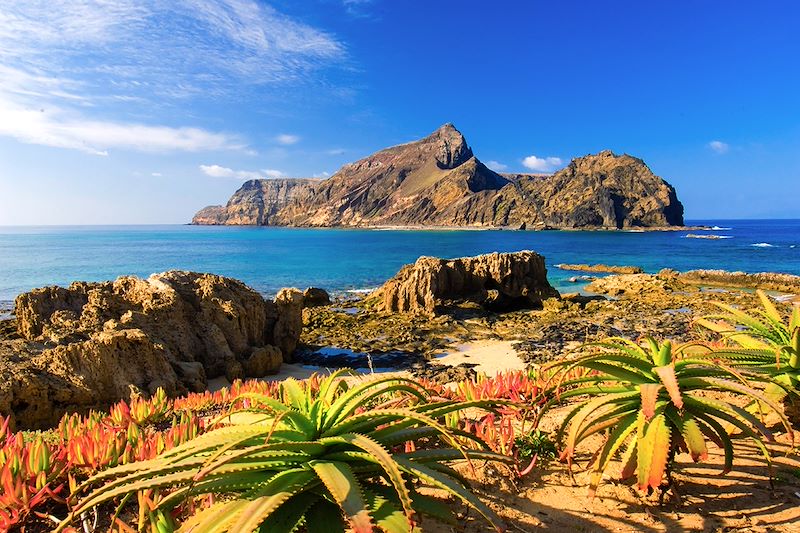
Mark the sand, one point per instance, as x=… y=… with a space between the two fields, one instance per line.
x=489 y=356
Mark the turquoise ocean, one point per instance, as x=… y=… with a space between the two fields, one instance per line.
x=356 y=260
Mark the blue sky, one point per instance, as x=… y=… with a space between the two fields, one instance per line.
x=127 y=111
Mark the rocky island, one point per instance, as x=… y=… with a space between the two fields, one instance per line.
x=438 y=181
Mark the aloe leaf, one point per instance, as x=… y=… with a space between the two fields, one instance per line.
x=324 y=517
x=292 y=514
x=340 y=481
x=670 y=381
x=388 y=517
x=273 y=495
x=649 y=395
x=654 y=450
x=216 y=518
x=386 y=461
x=448 y=484
x=617 y=437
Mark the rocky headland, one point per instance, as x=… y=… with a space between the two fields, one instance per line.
x=438 y=182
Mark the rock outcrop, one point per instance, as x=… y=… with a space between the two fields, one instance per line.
x=438 y=181
x=91 y=344
x=498 y=281
x=770 y=281
x=612 y=269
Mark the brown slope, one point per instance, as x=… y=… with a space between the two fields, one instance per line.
x=438 y=181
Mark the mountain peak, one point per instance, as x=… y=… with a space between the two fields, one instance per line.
x=452 y=149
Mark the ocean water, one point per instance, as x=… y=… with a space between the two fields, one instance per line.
x=343 y=260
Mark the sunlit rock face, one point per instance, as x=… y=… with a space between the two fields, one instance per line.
x=438 y=181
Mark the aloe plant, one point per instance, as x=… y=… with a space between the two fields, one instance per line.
x=321 y=458
x=645 y=397
x=763 y=342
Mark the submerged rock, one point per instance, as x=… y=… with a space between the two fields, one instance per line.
x=91 y=344
x=498 y=281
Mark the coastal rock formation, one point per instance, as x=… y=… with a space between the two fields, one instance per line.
x=770 y=281
x=498 y=281
x=257 y=202
x=639 y=284
x=438 y=181
x=613 y=269
x=91 y=344
x=314 y=297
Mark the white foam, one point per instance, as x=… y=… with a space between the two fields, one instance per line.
x=719 y=228
x=362 y=291
x=762 y=245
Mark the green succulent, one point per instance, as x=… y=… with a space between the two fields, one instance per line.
x=762 y=342
x=644 y=397
x=316 y=459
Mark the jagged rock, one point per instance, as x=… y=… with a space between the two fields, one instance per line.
x=439 y=181
x=289 y=304
x=315 y=297
x=91 y=344
x=498 y=281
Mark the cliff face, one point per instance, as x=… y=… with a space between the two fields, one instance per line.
x=256 y=202
x=439 y=181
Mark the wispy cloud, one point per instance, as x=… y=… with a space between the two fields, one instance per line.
x=217 y=171
x=95 y=66
x=497 y=166
x=541 y=164
x=719 y=147
x=335 y=151
x=63 y=129
x=287 y=139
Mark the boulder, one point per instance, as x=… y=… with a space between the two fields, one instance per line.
x=315 y=297
x=289 y=324
x=498 y=281
x=91 y=344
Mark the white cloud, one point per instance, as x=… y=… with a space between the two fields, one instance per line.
x=63 y=129
x=217 y=171
x=287 y=139
x=719 y=146
x=272 y=173
x=156 y=174
x=497 y=166
x=542 y=164
x=81 y=74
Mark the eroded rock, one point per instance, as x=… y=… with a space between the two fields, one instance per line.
x=91 y=344
x=498 y=281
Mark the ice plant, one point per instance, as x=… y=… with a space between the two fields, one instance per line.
x=323 y=454
x=645 y=397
